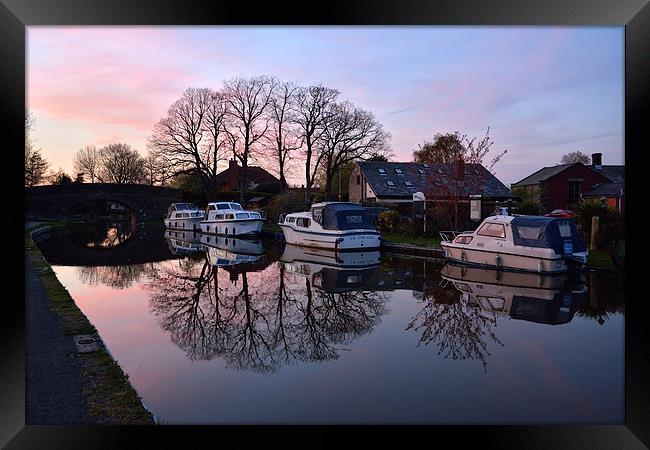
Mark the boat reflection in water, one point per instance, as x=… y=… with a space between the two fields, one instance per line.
x=228 y=251
x=330 y=271
x=182 y=243
x=548 y=299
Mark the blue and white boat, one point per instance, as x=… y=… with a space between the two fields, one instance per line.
x=331 y=225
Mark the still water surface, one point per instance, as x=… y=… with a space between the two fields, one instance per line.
x=239 y=331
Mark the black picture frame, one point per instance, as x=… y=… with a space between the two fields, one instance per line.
x=16 y=15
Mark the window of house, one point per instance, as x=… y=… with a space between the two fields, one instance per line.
x=398 y=170
x=358 y=179
x=574 y=190
x=382 y=171
x=422 y=171
x=408 y=183
x=390 y=183
x=492 y=229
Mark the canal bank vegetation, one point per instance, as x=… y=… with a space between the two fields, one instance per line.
x=110 y=395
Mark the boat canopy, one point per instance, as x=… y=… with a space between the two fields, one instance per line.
x=548 y=232
x=342 y=216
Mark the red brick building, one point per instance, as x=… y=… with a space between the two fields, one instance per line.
x=256 y=178
x=564 y=185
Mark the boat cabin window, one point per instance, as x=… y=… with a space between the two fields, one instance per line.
x=290 y=219
x=236 y=206
x=303 y=222
x=186 y=215
x=222 y=206
x=531 y=232
x=317 y=214
x=230 y=216
x=242 y=215
x=211 y=208
x=492 y=229
x=463 y=239
x=219 y=216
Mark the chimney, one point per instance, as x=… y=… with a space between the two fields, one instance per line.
x=232 y=163
x=597 y=160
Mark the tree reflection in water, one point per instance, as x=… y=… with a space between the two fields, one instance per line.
x=457 y=326
x=119 y=277
x=258 y=320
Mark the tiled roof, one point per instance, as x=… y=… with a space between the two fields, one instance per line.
x=403 y=179
x=253 y=173
x=605 y=189
x=616 y=174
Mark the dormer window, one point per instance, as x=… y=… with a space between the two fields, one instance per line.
x=408 y=183
x=390 y=183
x=382 y=171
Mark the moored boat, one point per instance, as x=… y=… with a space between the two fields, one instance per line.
x=183 y=216
x=331 y=225
x=523 y=243
x=230 y=219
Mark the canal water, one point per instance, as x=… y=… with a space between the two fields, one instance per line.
x=214 y=331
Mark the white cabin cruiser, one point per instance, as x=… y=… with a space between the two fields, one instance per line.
x=183 y=216
x=230 y=219
x=523 y=243
x=331 y=225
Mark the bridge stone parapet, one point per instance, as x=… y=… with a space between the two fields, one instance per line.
x=55 y=202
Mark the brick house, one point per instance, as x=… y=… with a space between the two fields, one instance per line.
x=256 y=178
x=562 y=186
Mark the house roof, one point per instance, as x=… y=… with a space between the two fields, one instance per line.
x=615 y=174
x=253 y=173
x=605 y=189
x=436 y=179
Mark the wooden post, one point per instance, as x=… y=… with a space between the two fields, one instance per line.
x=594 y=230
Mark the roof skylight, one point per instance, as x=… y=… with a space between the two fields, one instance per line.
x=390 y=183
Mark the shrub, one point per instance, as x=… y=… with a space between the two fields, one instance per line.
x=289 y=202
x=388 y=221
x=585 y=210
x=529 y=208
x=611 y=230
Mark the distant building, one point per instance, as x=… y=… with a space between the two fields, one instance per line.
x=256 y=178
x=396 y=182
x=564 y=185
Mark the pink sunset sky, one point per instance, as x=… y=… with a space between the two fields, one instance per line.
x=543 y=91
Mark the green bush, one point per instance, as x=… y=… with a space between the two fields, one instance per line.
x=528 y=208
x=388 y=222
x=611 y=230
x=289 y=202
x=585 y=210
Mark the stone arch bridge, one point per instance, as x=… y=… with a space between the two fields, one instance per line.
x=56 y=202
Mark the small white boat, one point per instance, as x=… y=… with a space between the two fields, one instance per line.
x=550 y=299
x=230 y=219
x=331 y=225
x=183 y=216
x=523 y=243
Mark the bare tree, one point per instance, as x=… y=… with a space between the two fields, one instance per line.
x=249 y=100
x=285 y=139
x=574 y=157
x=311 y=110
x=35 y=164
x=87 y=161
x=121 y=164
x=350 y=134
x=179 y=137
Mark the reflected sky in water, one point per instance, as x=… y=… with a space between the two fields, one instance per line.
x=233 y=331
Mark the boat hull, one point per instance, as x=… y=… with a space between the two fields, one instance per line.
x=503 y=260
x=233 y=227
x=190 y=223
x=336 y=240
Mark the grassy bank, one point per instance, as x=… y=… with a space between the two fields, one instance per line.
x=110 y=395
x=600 y=259
x=395 y=238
